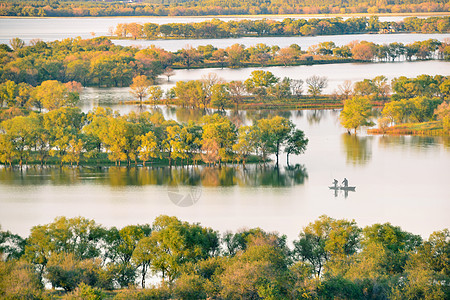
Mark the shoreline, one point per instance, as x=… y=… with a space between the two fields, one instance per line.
x=262 y=16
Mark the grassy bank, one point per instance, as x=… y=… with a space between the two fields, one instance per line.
x=103 y=161
x=434 y=128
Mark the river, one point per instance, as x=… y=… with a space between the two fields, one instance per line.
x=402 y=180
x=50 y=29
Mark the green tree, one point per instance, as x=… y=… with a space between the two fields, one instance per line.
x=397 y=243
x=296 y=143
x=220 y=96
x=259 y=81
x=273 y=134
x=327 y=239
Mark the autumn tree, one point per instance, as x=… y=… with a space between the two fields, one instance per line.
x=52 y=94
x=140 y=87
x=356 y=113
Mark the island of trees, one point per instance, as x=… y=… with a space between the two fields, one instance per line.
x=82 y=8
x=70 y=136
x=331 y=258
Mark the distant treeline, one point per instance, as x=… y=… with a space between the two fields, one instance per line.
x=213 y=7
x=331 y=258
x=288 y=27
x=99 y=62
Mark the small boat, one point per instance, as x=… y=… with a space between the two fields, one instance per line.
x=343 y=188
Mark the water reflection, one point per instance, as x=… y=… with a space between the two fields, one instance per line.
x=314 y=116
x=252 y=175
x=358 y=149
x=413 y=142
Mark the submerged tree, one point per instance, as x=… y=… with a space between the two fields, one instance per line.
x=140 y=87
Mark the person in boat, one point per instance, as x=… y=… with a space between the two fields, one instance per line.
x=345 y=182
x=335 y=183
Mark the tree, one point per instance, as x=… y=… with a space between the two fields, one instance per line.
x=218 y=136
x=52 y=94
x=259 y=81
x=236 y=54
x=287 y=55
x=316 y=84
x=282 y=89
x=246 y=142
x=20 y=132
x=168 y=72
x=149 y=147
x=16 y=43
x=220 y=96
x=177 y=243
x=296 y=87
x=397 y=243
x=273 y=134
x=296 y=143
x=78 y=236
x=155 y=93
x=363 y=51
x=237 y=90
x=140 y=87
x=327 y=239
x=8 y=93
x=143 y=255
x=356 y=113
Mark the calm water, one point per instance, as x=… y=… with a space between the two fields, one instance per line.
x=50 y=29
x=402 y=180
x=303 y=41
x=336 y=73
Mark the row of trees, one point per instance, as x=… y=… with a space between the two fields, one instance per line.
x=99 y=62
x=213 y=91
x=288 y=27
x=71 y=136
x=209 y=7
x=331 y=258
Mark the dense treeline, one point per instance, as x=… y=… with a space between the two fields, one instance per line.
x=413 y=100
x=99 y=62
x=331 y=258
x=73 y=137
x=288 y=27
x=209 y=7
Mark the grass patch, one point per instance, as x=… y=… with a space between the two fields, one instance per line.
x=433 y=128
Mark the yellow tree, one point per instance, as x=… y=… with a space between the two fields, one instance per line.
x=140 y=87
x=149 y=146
x=52 y=94
x=356 y=113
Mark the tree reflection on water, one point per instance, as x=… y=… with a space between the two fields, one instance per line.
x=358 y=149
x=235 y=175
